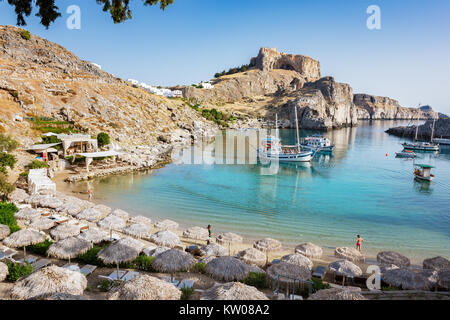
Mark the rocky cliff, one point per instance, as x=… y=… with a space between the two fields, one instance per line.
x=41 y=78
x=383 y=108
x=442 y=130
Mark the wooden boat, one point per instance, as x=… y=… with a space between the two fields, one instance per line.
x=318 y=143
x=422 y=146
x=406 y=154
x=423 y=172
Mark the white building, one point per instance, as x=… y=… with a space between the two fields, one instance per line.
x=158 y=91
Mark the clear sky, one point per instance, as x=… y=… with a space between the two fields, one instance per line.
x=408 y=59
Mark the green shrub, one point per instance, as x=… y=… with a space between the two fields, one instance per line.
x=7 y=211
x=144 y=263
x=37 y=164
x=199 y=268
x=186 y=293
x=6 y=188
x=51 y=139
x=25 y=34
x=317 y=284
x=57 y=130
x=24 y=174
x=18 y=271
x=91 y=257
x=242 y=68
x=40 y=248
x=104 y=285
x=7 y=160
x=78 y=159
x=390 y=288
x=257 y=280
x=7 y=143
x=103 y=139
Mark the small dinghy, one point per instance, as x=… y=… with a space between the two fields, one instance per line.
x=406 y=154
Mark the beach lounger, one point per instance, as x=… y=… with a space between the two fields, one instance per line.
x=360 y=282
x=7 y=254
x=130 y=276
x=88 y=269
x=170 y=280
x=59 y=219
x=40 y=264
x=113 y=276
x=319 y=272
x=186 y=284
x=72 y=267
x=29 y=259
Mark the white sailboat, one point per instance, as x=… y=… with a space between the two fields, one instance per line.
x=422 y=146
x=272 y=149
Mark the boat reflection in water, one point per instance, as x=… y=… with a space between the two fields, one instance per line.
x=423 y=187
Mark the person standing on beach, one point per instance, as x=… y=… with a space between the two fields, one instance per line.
x=359 y=241
x=90 y=194
x=209 y=234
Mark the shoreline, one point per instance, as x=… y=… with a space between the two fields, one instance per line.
x=328 y=251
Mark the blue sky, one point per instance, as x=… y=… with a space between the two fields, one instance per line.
x=408 y=59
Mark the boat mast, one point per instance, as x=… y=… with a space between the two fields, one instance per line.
x=276 y=126
x=417 y=129
x=298 y=131
x=432 y=131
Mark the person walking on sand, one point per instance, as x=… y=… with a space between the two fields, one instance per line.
x=359 y=241
x=90 y=194
x=209 y=234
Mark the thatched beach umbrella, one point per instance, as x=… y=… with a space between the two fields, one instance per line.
x=137 y=230
x=267 y=245
x=145 y=287
x=395 y=258
x=345 y=268
x=50 y=202
x=166 y=239
x=233 y=291
x=350 y=254
x=173 y=261
x=227 y=269
x=288 y=273
x=298 y=259
x=444 y=279
x=104 y=210
x=71 y=208
x=23 y=238
x=141 y=219
x=121 y=214
x=18 y=196
x=41 y=223
x=253 y=256
x=229 y=239
x=3 y=271
x=112 y=223
x=166 y=225
x=213 y=249
x=66 y=297
x=4 y=231
x=154 y=251
x=69 y=248
x=90 y=214
x=27 y=214
x=123 y=250
x=94 y=235
x=406 y=279
x=338 y=294
x=309 y=250
x=436 y=263
x=64 y=231
x=48 y=281
x=196 y=233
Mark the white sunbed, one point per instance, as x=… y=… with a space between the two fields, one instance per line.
x=113 y=276
x=59 y=219
x=87 y=269
x=170 y=280
x=186 y=284
x=29 y=259
x=40 y=264
x=72 y=267
x=7 y=254
x=130 y=275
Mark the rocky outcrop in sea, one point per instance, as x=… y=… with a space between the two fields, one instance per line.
x=442 y=130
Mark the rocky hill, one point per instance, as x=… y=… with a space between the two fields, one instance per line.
x=442 y=130
x=275 y=82
x=384 y=108
x=39 y=78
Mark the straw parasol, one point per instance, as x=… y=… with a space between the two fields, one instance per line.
x=23 y=238
x=141 y=219
x=253 y=256
x=4 y=231
x=299 y=260
x=112 y=223
x=444 y=279
x=69 y=248
x=233 y=291
x=172 y=261
x=166 y=239
x=350 y=254
x=3 y=271
x=123 y=250
x=104 y=210
x=267 y=245
x=154 y=251
x=18 y=196
x=90 y=214
x=338 y=294
x=50 y=202
x=137 y=230
x=395 y=258
x=64 y=231
x=406 y=279
x=309 y=250
x=166 y=225
x=213 y=249
x=121 y=214
x=71 y=208
x=229 y=238
x=48 y=281
x=41 y=223
x=196 y=233
x=288 y=273
x=66 y=296
x=145 y=287
x=227 y=269
x=94 y=235
x=345 y=268
x=436 y=263
x=27 y=214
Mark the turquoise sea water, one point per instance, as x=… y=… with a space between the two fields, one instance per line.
x=358 y=190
